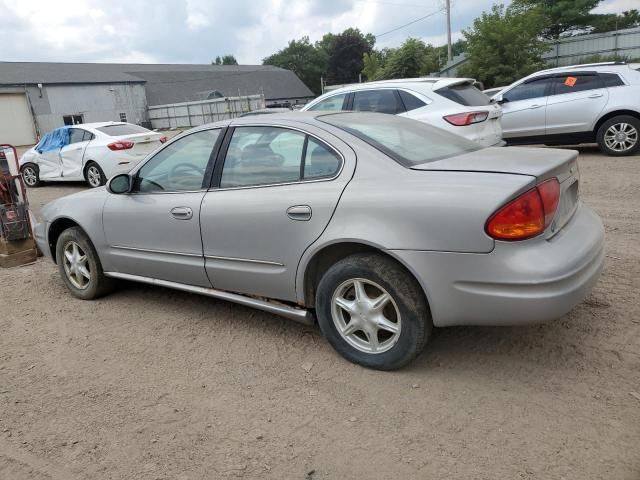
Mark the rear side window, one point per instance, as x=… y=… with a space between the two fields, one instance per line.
x=76 y=135
x=122 y=129
x=330 y=104
x=571 y=83
x=406 y=141
x=533 y=89
x=381 y=101
x=411 y=102
x=464 y=94
x=611 y=80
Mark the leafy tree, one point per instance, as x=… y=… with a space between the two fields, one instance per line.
x=303 y=59
x=225 y=60
x=345 y=53
x=561 y=17
x=504 y=45
x=610 y=22
x=412 y=59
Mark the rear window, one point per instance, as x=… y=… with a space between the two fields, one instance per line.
x=464 y=94
x=406 y=141
x=122 y=129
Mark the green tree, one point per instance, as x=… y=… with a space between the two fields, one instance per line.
x=504 y=45
x=225 y=60
x=345 y=52
x=303 y=59
x=413 y=58
x=610 y=22
x=561 y=16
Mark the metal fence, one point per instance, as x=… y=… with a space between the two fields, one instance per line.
x=192 y=114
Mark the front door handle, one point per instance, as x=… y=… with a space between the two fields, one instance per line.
x=595 y=95
x=301 y=213
x=182 y=213
x=535 y=106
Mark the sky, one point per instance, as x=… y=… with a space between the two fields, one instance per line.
x=196 y=31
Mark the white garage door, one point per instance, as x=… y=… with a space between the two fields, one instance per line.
x=16 y=124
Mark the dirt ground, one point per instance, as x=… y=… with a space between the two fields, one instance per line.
x=152 y=384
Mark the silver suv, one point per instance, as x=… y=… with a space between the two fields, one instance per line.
x=577 y=104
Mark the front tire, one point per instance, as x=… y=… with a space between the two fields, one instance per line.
x=619 y=136
x=94 y=175
x=31 y=175
x=373 y=312
x=80 y=266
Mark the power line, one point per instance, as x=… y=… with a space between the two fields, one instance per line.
x=410 y=23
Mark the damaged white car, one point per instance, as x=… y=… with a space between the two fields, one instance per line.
x=93 y=152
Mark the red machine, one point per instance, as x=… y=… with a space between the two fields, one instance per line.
x=16 y=236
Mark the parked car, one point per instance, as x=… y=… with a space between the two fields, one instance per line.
x=92 y=152
x=597 y=102
x=377 y=225
x=454 y=104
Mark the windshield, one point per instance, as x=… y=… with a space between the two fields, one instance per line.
x=408 y=142
x=122 y=129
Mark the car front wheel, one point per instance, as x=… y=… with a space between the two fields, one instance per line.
x=94 y=175
x=31 y=175
x=619 y=136
x=373 y=312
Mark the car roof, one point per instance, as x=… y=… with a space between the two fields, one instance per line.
x=597 y=67
x=431 y=83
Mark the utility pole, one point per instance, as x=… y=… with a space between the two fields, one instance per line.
x=449 y=52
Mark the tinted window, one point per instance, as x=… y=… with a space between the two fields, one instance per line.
x=524 y=91
x=320 y=160
x=406 y=141
x=381 y=101
x=122 y=129
x=180 y=166
x=411 y=102
x=76 y=135
x=576 y=83
x=464 y=94
x=611 y=80
x=262 y=155
x=331 y=104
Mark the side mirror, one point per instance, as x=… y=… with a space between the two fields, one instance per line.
x=120 y=184
x=499 y=99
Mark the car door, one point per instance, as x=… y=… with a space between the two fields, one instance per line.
x=49 y=165
x=154 y=231
x=523 y=108
x=274 y=192
x=576 y=102
x=71 y=155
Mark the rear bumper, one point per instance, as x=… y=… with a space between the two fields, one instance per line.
x=518 y=282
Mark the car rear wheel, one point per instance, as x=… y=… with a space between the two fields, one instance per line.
x=94 y=175
x=373 y=312
x=80 y=266
x=619 y=136
x=31 y=175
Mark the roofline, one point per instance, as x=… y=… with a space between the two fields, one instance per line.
x=583 y=65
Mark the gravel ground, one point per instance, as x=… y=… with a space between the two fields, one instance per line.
x=151 y=384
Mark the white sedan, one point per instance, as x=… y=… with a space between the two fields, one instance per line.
x=93 y=152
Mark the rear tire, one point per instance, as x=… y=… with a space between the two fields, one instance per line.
x=80 y=266
x=384 y=326
x=31 y=175
x=94 y=175
x=619 y=136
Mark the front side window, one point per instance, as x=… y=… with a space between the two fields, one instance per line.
x=274 y=155
x=572 y=83
x=406 y=141
x=330 y=104
x=381 y=101
x=533 y=89
x=180 y=166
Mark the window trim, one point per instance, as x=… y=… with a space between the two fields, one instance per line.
x=222 y=155
x=208 y=172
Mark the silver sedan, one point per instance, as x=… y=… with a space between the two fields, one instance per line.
x=377 y=226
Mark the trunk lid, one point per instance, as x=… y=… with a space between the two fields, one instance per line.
x=143 y=143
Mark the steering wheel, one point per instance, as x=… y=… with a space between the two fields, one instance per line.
x=176 y=179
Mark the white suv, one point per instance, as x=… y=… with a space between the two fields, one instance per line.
x=577 y=104
x=453 y=104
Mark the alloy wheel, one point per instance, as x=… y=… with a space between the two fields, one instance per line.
x=366 y=316
x=94 y=176
x=76 y=265
x=621 y=137
x=30 y=176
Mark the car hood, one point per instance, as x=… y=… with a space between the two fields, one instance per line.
x=536 y=162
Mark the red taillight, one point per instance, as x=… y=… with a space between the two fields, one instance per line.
x=121 y=145
x=527 y=215
x=469 y=118
x=163 y=139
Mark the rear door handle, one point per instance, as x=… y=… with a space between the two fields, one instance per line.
x=595 y=95
x=535 y=106
x=182 y=213
x=301 y=213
